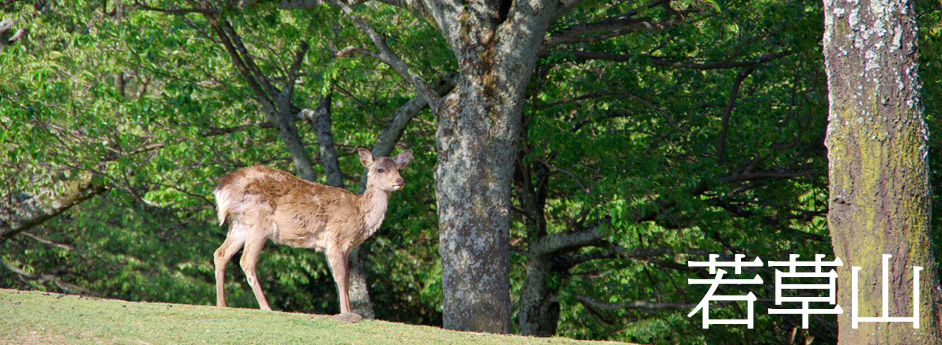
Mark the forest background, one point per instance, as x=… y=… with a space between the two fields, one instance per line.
x=652 y=134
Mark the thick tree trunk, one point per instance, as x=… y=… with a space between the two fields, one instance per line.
x=478 y=126
x=878 y=169
x=476 y=146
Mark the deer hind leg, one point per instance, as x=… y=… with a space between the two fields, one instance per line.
x=253 y=247
x=229 y=247
x=338 y=260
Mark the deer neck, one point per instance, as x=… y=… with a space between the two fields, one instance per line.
x=373 y=205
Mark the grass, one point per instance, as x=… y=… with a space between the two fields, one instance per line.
x=33 y=317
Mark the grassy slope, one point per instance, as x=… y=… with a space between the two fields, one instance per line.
x=38 y=317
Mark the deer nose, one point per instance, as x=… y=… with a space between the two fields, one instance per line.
x=400 y=181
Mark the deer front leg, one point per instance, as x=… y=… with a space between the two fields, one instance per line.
x=337 y=258
x=253 y=247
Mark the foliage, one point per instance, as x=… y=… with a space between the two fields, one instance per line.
x=647 y=149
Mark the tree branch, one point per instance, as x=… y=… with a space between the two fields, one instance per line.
x=703 y=186
x=263 y=97
x=387 y=56
x=658 y=61
x=730 y=103
x=292 y=76
x=46 y=241
x=281 y=111
x=566 y=240
x=599 y=304
x=43 y=278
x=22 y=213
x=176 y=11
x=236 y=42
x=320 y=119
x=613 y=26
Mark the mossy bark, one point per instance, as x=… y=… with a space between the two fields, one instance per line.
x=879 y=199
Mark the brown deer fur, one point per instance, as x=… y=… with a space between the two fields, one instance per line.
x=264 y=203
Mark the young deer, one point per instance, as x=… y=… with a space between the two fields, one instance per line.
x=263 y=203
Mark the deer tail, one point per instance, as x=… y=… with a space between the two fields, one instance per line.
x=222 y=203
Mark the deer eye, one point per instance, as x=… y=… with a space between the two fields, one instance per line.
x=380 y=170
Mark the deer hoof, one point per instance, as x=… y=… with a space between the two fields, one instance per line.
x=347 y=317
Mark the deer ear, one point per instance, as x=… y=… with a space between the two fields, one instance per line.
x=366 y=158
x=403 y=158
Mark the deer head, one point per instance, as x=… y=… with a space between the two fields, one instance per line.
x=383 y=173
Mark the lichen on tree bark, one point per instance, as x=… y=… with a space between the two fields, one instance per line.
x=878 y=168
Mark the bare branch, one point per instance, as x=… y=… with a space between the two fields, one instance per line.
x=295 y=66
x=46 y=241
x=599 y=304
x=658 y=61
x=612 y=27
x=613 y=251
x=584 y=189
x=727 y=112
x=20 y=215
x=43 y=278
x=176 y=11
x=566 y=240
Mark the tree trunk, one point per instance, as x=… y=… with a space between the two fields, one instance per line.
x=476 y=143
x=539 y=306
x=879 y=199
x=358 y=289
x=478 y=126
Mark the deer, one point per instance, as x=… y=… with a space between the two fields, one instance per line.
x=263 y=203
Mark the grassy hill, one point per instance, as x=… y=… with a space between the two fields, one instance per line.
x=31 y=317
